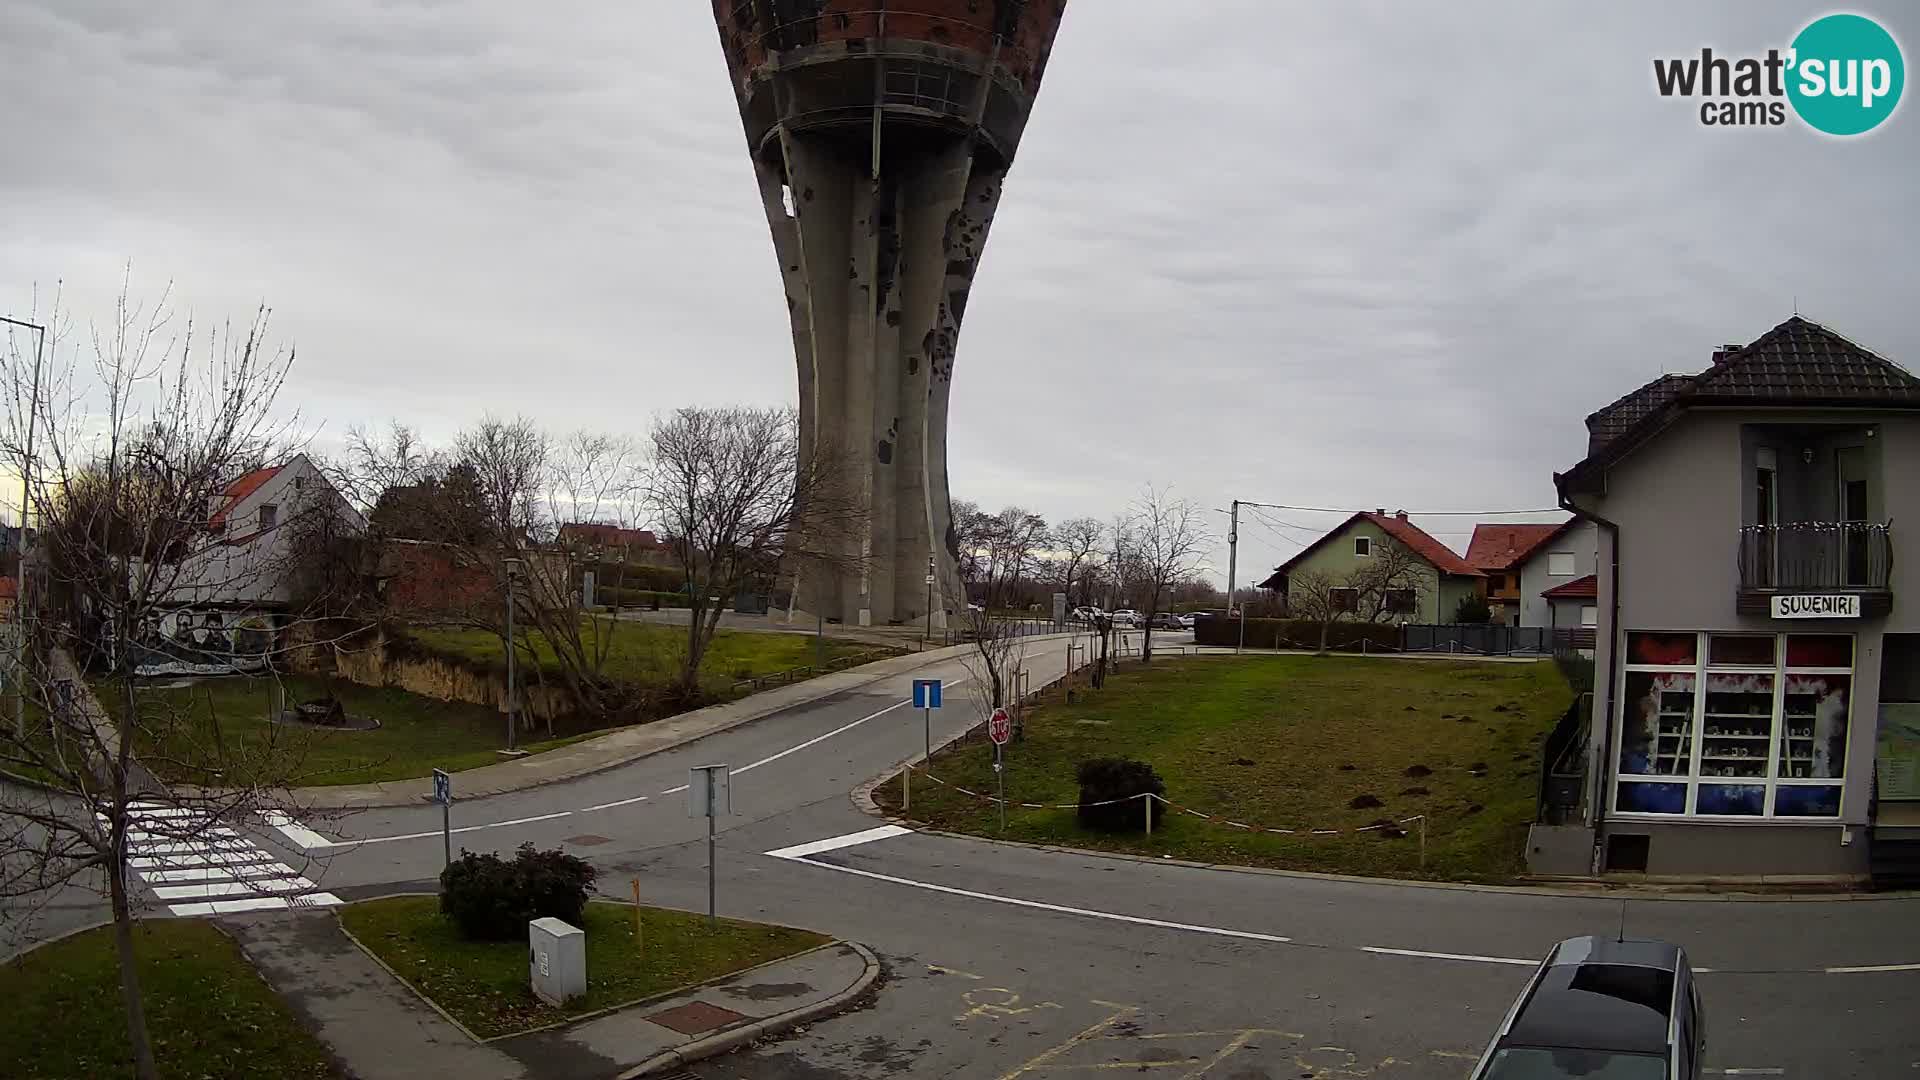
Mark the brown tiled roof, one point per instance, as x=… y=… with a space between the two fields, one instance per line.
x=1803 y=362
x=1798 y=363
x=1616 y=419
x=1503 y=545
x=1417 y=540
x=1586 y=588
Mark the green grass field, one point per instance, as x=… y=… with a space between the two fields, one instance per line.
x=1290 y=742
x=650 y=654
x=221 y=724
x=209 y=1015
x=484 y=983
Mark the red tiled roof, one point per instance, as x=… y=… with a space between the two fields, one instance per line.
x=1413 y=536
x=1503 y=546
x=1423 y=544
x=239 y=490
x=1586 y=588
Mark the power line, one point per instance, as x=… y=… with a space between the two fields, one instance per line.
x=1420 y=513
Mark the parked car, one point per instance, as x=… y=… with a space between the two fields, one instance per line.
x=1600 y=1007
x=1086 y=614
x=1167 y=620
x=1126 y=617
x=1187 y=620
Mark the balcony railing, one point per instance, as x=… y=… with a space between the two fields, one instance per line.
x=1806 y=556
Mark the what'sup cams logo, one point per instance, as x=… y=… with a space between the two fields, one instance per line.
x=1842 y=75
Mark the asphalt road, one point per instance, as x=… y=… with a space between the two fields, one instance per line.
x=1006 y=961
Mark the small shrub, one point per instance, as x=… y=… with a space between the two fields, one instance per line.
x=1472 y=609
x=1104 y=779
x=491 y=899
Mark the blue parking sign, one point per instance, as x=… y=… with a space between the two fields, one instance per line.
x=926 y=693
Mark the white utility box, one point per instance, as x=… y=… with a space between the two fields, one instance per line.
x=556 y=960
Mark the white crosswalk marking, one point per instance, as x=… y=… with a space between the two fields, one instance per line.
x=204 y=869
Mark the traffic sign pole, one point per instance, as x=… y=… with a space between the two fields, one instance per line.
x=443 y=794
x=1000 y=774
x=1000 y=729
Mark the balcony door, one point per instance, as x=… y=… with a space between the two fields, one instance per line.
x=1766 y=509
x=1850 y=463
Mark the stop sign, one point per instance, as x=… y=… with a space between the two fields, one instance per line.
x=999 y=727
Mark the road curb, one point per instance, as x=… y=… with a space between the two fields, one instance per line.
x=734 y=1038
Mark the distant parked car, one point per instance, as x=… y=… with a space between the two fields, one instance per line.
x=1126 y=617
x=1599 y=1007
x=1187 y=620
x=1167 y=620
x=1086 y=614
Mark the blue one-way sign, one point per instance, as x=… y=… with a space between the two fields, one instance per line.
x=926 y=693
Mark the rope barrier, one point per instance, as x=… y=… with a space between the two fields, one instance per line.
x=1169 y=804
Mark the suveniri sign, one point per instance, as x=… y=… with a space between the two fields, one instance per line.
x=1816 y=607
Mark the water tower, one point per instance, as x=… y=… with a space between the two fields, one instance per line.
x=881 y=131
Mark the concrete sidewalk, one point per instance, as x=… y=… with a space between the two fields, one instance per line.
x=627 y=744
x=377 y=1028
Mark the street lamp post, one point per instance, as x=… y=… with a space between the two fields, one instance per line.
x=26 y=498
x=512 y=567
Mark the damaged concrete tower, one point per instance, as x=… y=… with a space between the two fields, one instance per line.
x=881 y=131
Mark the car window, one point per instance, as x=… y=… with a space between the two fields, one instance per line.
x=1537 y=1063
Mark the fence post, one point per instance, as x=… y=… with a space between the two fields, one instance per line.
x=1423 y=841
x=1363 y=646
x=1146 y=800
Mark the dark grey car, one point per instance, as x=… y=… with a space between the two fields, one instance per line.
x=1602 y=1009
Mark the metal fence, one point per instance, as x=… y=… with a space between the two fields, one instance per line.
x=1493 y=639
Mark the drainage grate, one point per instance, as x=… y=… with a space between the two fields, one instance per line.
x=696 y=1017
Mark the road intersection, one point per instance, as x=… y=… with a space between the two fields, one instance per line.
x=1011 y=961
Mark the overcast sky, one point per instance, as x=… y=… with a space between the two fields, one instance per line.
x=1331 y=254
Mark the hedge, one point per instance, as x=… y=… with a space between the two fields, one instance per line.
x=1296 y=634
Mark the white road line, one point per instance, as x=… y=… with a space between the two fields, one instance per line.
x=617 y=802
x=180 y=835
x=293 y=830
x=216 y=873
x=835 y=731
x=256 y=903
x=675 y=790
x=206 y=890
x=1871 y=967
x=1747 y=1072
x=1062 y=909
x=834 y=843
x=202 y=858
x=151 y=850
x=1469 y=957
x=334 y=844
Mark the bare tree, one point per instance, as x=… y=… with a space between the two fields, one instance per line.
x=1320 y=598
x=1169 y=542
x=1013 y=539
x=132 y=448
x=1391 y=584
x=734 y=492
x=1077 y=545
x=969 y=530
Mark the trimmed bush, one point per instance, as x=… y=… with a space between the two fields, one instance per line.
x=1344 y=635
x=491 y=899
x=1105 y=779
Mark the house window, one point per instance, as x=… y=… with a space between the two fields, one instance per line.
x=300 y=482
x=1400 y=601
x=1589 y=615
x=1734 y=725
x=1560 y=564
x=269 y=515
x=1344 y=599
x=1362 y=546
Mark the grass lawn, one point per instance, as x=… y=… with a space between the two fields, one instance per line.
x=416 y=733
x=1291 y=742
x=484 y=983
x=650 y=653
x=208 y=1013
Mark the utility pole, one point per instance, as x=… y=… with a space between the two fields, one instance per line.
x=1233 y=566
x=512 y=567
x=927 y=636
x=21 y=608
